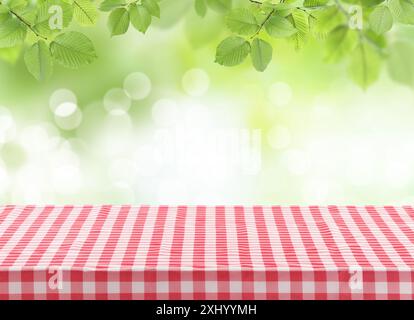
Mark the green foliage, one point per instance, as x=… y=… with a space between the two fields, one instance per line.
x=72 y=50
x=12 y=32
x=279 y=27
x=400 y=63
x=39 y=60
x=140 y=17
x=152 y=7
x=200 y=7
x=232 y=51
x=381 y=20
x=221 y=6
x=118 y=21
x=340 y=42
x=261 y=53
x=365 y=65
x=85 y=12
x=39 y=28
x=242 y=21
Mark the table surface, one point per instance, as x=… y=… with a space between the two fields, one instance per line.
x=235 y=237
x=199 y=252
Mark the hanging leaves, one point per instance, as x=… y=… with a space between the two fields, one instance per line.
x=38 y=29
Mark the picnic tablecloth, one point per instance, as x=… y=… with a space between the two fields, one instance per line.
x=199 y=252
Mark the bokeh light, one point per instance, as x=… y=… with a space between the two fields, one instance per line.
x=196 y=82
x=137 y=85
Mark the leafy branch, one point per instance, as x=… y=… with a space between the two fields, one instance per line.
x=256 y=25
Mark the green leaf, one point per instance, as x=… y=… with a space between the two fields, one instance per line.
x=261 y=53
x=140 y=18
x=365 y=65
x=109 y=5
x=315 y=3
x=200 y=7
x=242 y=21
x=287 y=5
x=327 y=19
x=46 y=15
x=300 y=21
x=39 y=61
x=73 y=50
x=380 y=20
x=12 y=32
x=402 y=11
x=340 y=42
x=400 y=63
x=232 y=51
x=279 y=27
x=152 y=7
x=85 y=12
x=220 y=6
x=118 y=21
x=16 y=4
x=4 y=13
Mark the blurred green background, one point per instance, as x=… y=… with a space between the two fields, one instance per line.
x=155 y=120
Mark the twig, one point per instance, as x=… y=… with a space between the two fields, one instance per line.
x=21 y=19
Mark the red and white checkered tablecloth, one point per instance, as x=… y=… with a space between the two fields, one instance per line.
x=260 y=252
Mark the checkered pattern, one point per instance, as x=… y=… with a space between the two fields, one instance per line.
x=260 y=252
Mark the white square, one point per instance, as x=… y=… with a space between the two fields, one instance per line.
x=113 y=287
x=15 y=288
x=406 y=288
x=308 y=287
x=211 y=286
x=236 y=286
x=284 y=287
x=381 y=288
x=332 y=287
x=187 y=287
x=138 y=287
x=260 y=287
x=163 y=287
x=89 y=287
x=39 y=287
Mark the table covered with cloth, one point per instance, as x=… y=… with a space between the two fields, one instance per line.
x=203 y=252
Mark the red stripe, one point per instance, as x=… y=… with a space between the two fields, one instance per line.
x=5 y=211
x=12 y=228
x=307 y=240
x=71 y=236
x=244 y=253
x=264 y=239
x=89 y=244
x=135 y=238
x=17 y=250
x=222 y=274
x=327 y=237
x=402 y=225
x=287 y=245
x=356 y=249
x=44 y=244
x=113 y=238
x=395 y=242
x=370 y=237
x=156 y=240
x=199 y=254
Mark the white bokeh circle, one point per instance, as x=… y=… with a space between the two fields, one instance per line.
x=61 y=96
x=196 y=82
x=7 y=126
x=137 y=85
x=117 y=99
